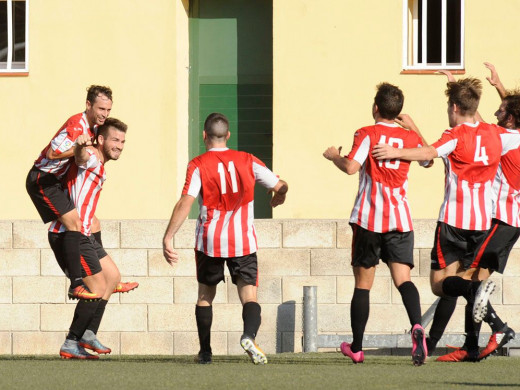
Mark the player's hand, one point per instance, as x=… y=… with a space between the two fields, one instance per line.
x=448 y=74
x=277 y=199
x=385 y=152
x=332 y=152
x=169 y=253
x=83 y=140
x=494 y=80
x=406 y=121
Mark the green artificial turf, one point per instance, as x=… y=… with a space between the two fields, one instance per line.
x=284 y=371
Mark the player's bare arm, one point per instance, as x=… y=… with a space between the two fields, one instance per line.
x=387 y=152
x=80 y=153
x=179 y=215
x=406 y=122
x=52 y=155
x=448 y=74
x=348 y=166
x=494 y=80
x=279 y=190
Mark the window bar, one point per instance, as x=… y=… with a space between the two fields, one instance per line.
x=405 y=38
x=26 y=65
x=443 y=33
x=9 y=34
x=424 y=30
x=415 y=27
x=462 y=8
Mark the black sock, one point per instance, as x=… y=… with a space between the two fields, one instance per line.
x=411 y=301
x=204 y=317
x=443 y=313
x=455 y=286
x=72 y=257
x=471 y=328
x=359 y=311
x=97 y=237
x=82 y=317
x=493 y=320
x=98 y=315
x=252 y=318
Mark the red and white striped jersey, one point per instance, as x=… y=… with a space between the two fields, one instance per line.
x=84 y=184
x=62 y=141
x=471 y=154
x=381 y=204
x=507 y=188
x=224 y=182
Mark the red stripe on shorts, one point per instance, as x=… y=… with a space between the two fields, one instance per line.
x=87 y=269
x=476 y=262
x=45 y=199
x=440 y=256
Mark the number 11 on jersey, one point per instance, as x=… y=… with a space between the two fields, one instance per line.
x=232 y=173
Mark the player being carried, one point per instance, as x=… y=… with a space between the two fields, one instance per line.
x=46 y=190
x=471 y=151
x=84 y=181
x=381 y=221
x=224 y=180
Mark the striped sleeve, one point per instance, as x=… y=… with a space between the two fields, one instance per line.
x=264 y=175
x=446 y=144
x=361 y=147
x=193 y=183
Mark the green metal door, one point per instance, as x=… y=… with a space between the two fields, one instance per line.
x=231 y=72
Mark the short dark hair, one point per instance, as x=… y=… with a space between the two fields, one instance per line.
x=95 y=90
x=216 y=126
x=111 y=122
x=465 y=93
x=389 y=100
x=512 y=106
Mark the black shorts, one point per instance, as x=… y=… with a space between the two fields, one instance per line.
x=90 y=250
x=494 y=250
x=47 y=194
x=368 y=247
x=210 y=270
x=452 y=244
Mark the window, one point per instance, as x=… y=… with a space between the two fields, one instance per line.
x=433 y=34
x=14 y=31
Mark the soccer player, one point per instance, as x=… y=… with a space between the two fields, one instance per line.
x=471 y=152
x=493 y=252
x=46 y=190
x=381 y=221
x=84 y=182
x=224 y=181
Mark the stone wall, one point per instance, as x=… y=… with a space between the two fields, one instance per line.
x=159 y=318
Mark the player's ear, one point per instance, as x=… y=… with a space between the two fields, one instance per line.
x=228 y=135
x=88 y=105
x=204 y=135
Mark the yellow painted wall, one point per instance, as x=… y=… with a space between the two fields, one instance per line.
x=328 y=59
x=327 y=62
x=131 y=46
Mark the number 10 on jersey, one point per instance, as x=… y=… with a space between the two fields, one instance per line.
x=232 y=173
x=396 y=143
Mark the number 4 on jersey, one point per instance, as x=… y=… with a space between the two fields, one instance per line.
x=480 y=152
x=232 y=173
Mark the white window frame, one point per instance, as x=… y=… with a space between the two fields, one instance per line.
x=410 y=38
x=9 y=63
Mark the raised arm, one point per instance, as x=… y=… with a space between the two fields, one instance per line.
x=348 y=166
x=494 y=80
x=80 y=151
x=406 y=121
x=179 y=215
